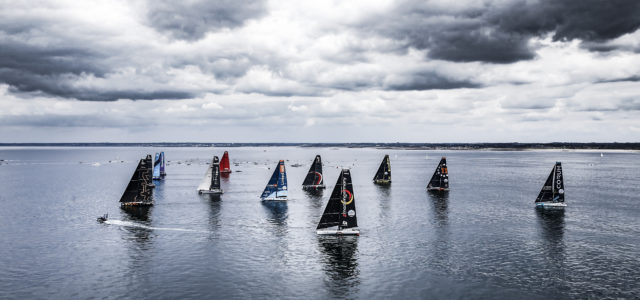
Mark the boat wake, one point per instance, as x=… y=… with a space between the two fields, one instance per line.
x=138 y=225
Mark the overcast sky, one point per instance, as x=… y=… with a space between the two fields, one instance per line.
x=320 y=71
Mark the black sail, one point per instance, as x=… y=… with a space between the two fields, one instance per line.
x=140 y=187
x=314 y=176
x=553 y=188
x=440 y=178
x=215 y=174
x=341 y=208
x=384 y=171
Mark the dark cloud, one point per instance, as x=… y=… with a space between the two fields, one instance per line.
x=191 y=20
x=427 y=81
x=498 y=33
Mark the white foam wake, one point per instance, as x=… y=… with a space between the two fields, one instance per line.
x=138 y=225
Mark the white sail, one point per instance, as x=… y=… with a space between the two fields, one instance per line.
x=205 y=185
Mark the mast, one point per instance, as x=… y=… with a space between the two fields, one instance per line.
x=553 y=188
x=440 y=179
x=383 y=175
x=139 y=191
x=276 y=188
x=225 y=166
x=314 y=177
x=341 y=208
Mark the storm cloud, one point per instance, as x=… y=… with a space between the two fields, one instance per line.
x=434 y=70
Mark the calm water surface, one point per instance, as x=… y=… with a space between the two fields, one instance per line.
x=483 y=239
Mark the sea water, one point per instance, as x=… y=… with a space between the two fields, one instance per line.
x=483 y=239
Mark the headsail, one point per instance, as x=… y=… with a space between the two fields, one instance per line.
x=162 y=164
x=139 y=191
x=314 y=179
x=553 y=188
x=276 y=189
x=225 y=166
x=211 y=181
x=383 y=176
x=341 y=208
x=156 y=167
x=440 y=179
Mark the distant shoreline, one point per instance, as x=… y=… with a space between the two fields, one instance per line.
x=406 y=146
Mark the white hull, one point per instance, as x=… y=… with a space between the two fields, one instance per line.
x=311 y=187
x=551 y=205
x=334 y=231
x=214 y=192
x=275 y=199
x=437 y=189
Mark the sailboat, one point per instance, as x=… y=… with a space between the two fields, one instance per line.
x=383 y=176
x=276 y=188
x=139 y=192
x=225 y=166
x=314 y=178
x=162 y=164
x=211 y=182
x=552 y=193
x=440 y=179
x=339 y=217
x=156 y=167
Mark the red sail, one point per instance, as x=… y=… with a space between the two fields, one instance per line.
x=225 y=167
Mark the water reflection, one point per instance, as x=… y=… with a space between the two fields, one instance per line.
x=440 y=202
x=138 y=213
x=552 y=232
x=340 y=258
x=138 y=241
x=214 y=209
x=383 y=195
x=277 y=213
x=315 y=196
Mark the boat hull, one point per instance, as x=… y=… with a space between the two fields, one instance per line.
x=274 y=199
x=313 y=187
x=132 y=204
x=382 y=181
x=551 y=205
x=437 y=189
x=334 y=231
x=212 y=192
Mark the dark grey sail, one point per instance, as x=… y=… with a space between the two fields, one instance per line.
x=140 y=188
x=553 y=188
x=383 y=176
x=341 y=208
x=314 y=179
x=440 y=179
x=215 y=176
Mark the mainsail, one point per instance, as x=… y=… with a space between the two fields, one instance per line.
x=553 y=188
x=383 y=176
x=440 y=179
x=341 y=208
x=162 y=164
x=156 y=167
x=314 y=178
x=276 y=188
x=140 y=188
x=211 y=181
x=225 y=167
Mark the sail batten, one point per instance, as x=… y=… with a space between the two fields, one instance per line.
x=440 y=179
x=383 y=175
x=139 y=191
x=314 y=178
x=276 y=188
x=340 y=211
